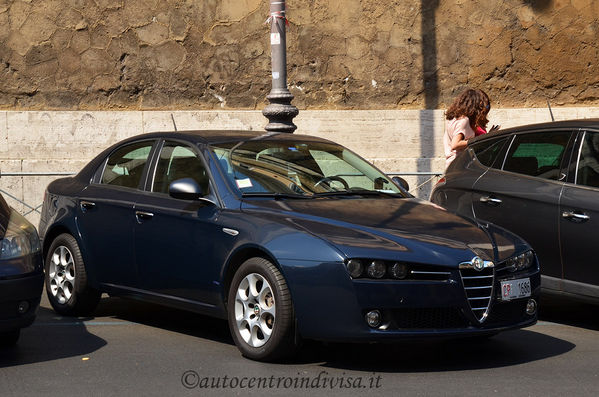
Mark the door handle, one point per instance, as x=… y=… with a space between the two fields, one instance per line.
x=87 y=205
x=575 y=216
x=143 y=215
x=490 y=200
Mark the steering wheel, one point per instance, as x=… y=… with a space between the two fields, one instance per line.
x=329 y=179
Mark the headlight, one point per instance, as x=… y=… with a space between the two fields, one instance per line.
x=355 y=268
x=377 y=269
x=520 y=262
x=20 y=238
x=399 y=270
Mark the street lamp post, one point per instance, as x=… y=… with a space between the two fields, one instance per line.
x=279 y=112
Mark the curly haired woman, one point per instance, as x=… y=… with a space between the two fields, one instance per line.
x=466 y=115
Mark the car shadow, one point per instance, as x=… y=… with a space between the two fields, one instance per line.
x=506 y=349
x=568 y=311
x=167 y=318
x=47 y=339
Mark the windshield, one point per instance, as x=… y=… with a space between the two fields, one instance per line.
x=292 y=168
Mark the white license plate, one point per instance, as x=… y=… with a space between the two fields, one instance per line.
x=514 y=289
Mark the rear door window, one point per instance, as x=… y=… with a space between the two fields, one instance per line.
x=125 y=166
x=486 y=152
x=538 y=154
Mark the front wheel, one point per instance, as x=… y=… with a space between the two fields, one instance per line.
x=260 y=312
x=66 y=279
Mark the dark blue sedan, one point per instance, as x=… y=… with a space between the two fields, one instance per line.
x=286 y=236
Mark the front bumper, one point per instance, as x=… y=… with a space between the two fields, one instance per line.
x=329 y=305
x=27 y=288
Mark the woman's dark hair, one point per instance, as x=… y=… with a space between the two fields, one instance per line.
x=474 y=104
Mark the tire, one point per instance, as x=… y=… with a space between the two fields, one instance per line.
x=9 y=338
x=66 y=279
x=262 y=322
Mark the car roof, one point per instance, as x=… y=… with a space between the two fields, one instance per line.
x=223 y=136
x=198 y=136
x=552 y=125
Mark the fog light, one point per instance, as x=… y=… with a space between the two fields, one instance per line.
x=23 y=307
x=376 y=269
x=399 y=270
x=373 y=318
x=355 y=268
x=531 y=307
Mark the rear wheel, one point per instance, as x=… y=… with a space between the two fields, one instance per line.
x=260 y=312
x=66 y=279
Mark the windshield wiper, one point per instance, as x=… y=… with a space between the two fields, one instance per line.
x=276 y=196
x=359 y=192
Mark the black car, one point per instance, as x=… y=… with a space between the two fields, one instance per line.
x=21 y=273
x=541 y=182
x=286 y=236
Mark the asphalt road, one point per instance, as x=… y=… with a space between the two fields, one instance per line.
x=132 y=348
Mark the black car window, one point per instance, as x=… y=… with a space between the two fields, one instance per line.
x=178 y=161
x=487 y=150
x=587 y=171
x=125 y=166
x=537 y=154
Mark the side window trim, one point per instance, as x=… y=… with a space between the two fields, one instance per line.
x=151 y=174
x=507 y=151
x=580 y=138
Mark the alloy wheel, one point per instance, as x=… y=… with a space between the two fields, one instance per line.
x=62 y=274
x=255 y=310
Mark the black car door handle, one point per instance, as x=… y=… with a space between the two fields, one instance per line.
x=143 y=215
x=575 y=216
x=87 y=205
x=490 y=200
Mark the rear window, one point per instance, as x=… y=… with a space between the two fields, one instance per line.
x=486 y=152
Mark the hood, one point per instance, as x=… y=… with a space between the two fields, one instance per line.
x=393 y=228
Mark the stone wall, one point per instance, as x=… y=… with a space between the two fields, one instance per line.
x=343 y=54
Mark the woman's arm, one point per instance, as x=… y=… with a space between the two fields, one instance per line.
x=458 y=142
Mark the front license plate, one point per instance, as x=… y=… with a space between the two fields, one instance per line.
x=514 y=289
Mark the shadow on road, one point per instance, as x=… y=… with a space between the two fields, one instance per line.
x=568 y=311
x=48 y=339
x=54 y=337
x=506 y=349
x=166 y=318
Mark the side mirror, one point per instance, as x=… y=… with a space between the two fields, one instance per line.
x=401 y=183
x=185 y=189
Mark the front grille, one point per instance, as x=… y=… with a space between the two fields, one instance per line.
x=478 y=285
x=427 y=318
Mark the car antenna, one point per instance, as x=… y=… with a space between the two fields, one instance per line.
x=174 y=124
x=550 y=112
